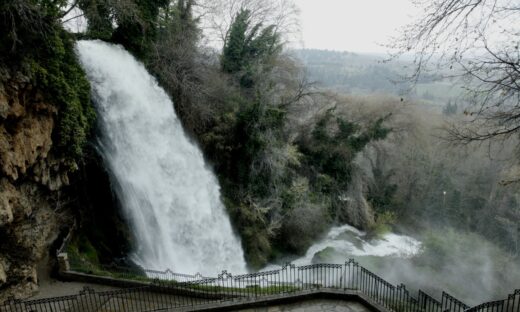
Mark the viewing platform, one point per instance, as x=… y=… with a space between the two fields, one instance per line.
x=318 y=287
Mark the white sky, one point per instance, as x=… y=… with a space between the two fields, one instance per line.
x=352 y=25
x=345 y=25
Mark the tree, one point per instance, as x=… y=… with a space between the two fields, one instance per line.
x=217 y=16
x=329 y=151
x=178 y=63
x=477 y=41
x=248 y=48
x=24 y=22
x=132 y=23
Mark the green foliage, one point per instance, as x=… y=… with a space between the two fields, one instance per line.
x=80 y=250
x=25 y=25
x=175 y=62
x=331 y=147
x=138 y=32
x=58 y=72
x=430 y=185
x=248 y=47
x=383 y=225
x=54 y=69
x=132 y=23
x=281 y=195
x=250 y=224
x=100 y=21
x=65 y=84
x=305 y=221
x=233 y=57
x=178 y=26
x=219 y=140
x=381 y=193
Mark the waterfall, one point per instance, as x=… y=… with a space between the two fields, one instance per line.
x=170 y=198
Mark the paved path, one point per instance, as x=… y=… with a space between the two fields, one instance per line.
x=49 y=287
x=54 y=288
x=317 y=305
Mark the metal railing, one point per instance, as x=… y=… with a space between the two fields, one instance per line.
x=511 y=304
x=133 y=273
x=167 y=290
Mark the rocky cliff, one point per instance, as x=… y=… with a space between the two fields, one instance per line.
x=31 y=177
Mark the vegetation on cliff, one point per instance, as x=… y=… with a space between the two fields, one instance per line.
x=35 y=43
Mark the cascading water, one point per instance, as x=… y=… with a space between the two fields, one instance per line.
x=347 y=242
x=171 y=199
x=344 y=242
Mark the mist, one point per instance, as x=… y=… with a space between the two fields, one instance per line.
x=451 y=197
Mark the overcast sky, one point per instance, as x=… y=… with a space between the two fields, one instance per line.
x=345 y=25
x=352 y=25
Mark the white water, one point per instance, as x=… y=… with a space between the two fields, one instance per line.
x=348 y=241
x=170 y=198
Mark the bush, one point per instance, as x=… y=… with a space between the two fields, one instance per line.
x=383 y=225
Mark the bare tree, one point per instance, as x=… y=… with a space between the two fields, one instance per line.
x=476 y=41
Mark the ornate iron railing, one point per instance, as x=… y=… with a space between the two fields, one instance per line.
x=167 y=290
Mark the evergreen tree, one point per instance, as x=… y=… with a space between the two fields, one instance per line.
x=248 y=49
x=233 y=55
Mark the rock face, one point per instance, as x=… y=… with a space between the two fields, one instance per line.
x=357 y=211
x=30 y=180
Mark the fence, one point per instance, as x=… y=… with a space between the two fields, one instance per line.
x=147 y=298
x=166 y=290
x=133 y=273
x=511 y=304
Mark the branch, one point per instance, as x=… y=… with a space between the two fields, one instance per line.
x=62 y=15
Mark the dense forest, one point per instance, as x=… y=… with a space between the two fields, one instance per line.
x=297 y=139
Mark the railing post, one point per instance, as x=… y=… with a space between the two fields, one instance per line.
x=63 y=262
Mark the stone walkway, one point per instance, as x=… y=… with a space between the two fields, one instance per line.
x=314 y=306
x=55 y=288
x=49 y=287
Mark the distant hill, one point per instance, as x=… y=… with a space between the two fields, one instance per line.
x=363 y=73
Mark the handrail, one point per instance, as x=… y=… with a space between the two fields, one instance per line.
x=166 y=290
x=66 y=239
